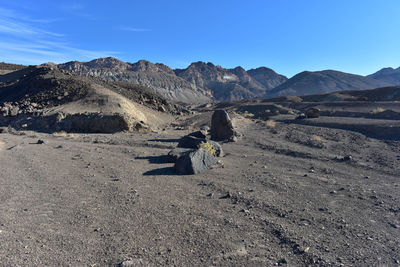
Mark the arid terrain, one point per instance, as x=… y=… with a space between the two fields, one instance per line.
x=291 y=191
x=287 y=195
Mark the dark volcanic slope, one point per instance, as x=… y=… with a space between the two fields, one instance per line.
x=324 y=82
x=157 y=76
x=47 y=86
x=231 y=84
x=378 y=94
x=388 y=75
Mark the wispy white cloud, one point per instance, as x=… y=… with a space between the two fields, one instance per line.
x=132 y=29
x=73 y=6
x=79 y=10
x=25 y=40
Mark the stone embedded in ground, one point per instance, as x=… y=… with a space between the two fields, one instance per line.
x=133 y=263
x=175 y=153
x=312 y=113
x=222 y=128
x=189 y=141
x=195 y=162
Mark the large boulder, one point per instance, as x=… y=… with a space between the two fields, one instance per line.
x=195 y=162
x=222 y=128
x=193 y=142
x=177 y=152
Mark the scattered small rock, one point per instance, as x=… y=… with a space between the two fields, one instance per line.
x=228 y=195
x=301 y=116
x=39 y=142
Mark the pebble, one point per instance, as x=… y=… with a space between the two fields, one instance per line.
x=132 y=263
x=39 y=142
x=228 y=195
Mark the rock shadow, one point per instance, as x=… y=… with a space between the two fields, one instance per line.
x=165 y=140
x=157 y=159
x=161 y=171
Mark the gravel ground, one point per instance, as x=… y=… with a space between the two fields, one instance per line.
x=288 y=195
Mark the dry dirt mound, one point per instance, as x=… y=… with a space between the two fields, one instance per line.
x=45 y=98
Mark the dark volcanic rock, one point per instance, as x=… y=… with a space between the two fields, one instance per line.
x=312 y=113
x=177 y=152
x=195 y=162
x=193 y=142
x=222 y=128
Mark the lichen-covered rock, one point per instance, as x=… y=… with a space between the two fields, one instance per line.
x=189 y=141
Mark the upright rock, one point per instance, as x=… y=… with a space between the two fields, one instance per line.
x=222 y=128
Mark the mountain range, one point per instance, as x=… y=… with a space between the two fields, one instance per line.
x=203 y=82
x=200 y=82
x=388 y=75
x=327 y=81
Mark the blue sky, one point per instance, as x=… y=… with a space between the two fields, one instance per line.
x=287 y=35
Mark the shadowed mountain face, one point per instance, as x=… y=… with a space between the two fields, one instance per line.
x=231 y=84
x=388 y=75
x=200 y=82
x=325 y=81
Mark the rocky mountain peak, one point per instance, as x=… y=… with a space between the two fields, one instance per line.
x=107 y=63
